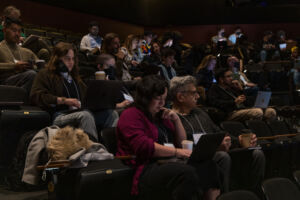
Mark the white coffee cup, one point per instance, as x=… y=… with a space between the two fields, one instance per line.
x=187 y=144
x=100 y=75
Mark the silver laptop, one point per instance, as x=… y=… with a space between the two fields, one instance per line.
x=262 y=99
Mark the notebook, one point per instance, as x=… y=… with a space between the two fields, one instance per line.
x=262 y=99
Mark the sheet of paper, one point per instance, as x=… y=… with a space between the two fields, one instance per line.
x=197 y=137
x=169 y=145
x=128 y=97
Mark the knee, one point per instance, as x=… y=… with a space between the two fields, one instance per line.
x=189 y=175
x=223 y=159
x=86 y=115
x=263 y=52
x=30 y=74
x=259 y=157
x=270 y=114
x=257 y=113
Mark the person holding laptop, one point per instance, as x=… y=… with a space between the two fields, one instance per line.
x=228 y=96
x=150 y=132
x=59 y=90
x=195 y=121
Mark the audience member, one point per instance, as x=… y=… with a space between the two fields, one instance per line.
x=149 y=131
x=155 y=57
x=205 y=71
x=12 y=13
x=111 y=44
x=269 y=51
x=146 y=43
x=166 y=69
x=91 y=43
x=59 y=90
x=16 y=63
x=228 y=95
x=195 y=121
x=129 y=49
x=234 y=65
x=234 y=36
x=106 y=63
x=219 y=37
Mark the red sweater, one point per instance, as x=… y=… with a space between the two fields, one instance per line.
x=136 y=135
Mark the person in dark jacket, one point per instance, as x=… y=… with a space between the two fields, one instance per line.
x=228 y=95
x=205 y=72
x=59 y=90
x=195 y=121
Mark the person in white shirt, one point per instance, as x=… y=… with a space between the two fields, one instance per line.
x=91 y=43
x=234 y=36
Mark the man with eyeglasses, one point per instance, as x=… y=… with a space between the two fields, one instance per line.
x=195 y=121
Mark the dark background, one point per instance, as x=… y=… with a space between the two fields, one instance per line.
x=197 y=20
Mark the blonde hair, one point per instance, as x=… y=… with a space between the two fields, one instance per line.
x=128 y=43
x=66 y=142
x=205 y=62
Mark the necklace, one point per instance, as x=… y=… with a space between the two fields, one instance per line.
x=190 y=124
x=12 y=55
x=75 y=89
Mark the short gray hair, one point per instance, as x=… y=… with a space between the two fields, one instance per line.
x=179 y=83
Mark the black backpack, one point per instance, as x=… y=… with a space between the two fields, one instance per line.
x=14 y=177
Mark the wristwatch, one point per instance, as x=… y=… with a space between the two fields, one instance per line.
x=63 y=99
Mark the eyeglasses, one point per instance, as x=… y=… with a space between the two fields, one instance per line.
x=193 y=93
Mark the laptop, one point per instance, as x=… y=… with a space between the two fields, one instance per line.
x=262 y=99
x=206 y=147
x=102 y=94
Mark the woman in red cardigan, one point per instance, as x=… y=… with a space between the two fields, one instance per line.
x=149 y=131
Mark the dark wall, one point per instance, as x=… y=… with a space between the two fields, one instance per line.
x=46 y=15
x=184 y=12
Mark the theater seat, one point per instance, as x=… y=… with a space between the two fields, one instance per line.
x=238 y=195
x=279 y=189
x=296 y=175
x=12 y=94
x=233 y=127
x=109 y=139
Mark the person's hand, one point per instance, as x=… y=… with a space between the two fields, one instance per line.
x=137 y=78
x=123 y=104
x=240 y=99
x=183 y=153
x=95 y=50
x=72 y=102
x=236 y=84
x=251 y=84
x=21 y=39
x=134 y=63
x=21 y=66
x=253 y=140
x=226 y=143
x=120 y=55
x=169 y=114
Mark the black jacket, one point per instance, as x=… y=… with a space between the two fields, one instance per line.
x=221 y=99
